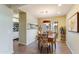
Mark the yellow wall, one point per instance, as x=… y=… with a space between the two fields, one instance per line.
x=61 y=22
x=22 y=27
x=72 y=38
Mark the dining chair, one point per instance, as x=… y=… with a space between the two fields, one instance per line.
x=43 y=43
x=52 y=39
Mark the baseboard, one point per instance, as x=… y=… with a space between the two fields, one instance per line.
x=21 y=43
x=31 y=42
x=69 y=47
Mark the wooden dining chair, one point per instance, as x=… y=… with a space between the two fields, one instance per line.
x=52 y=39
x=39 y=37
x=44 y=44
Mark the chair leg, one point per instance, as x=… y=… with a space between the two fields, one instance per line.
x=55 y=46
x=41 y=49
x=52 y=47
x=47 y=49
x=38 y=45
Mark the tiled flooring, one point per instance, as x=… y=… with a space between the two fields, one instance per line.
x=61 y=48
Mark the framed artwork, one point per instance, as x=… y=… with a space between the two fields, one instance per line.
x=73 y=23
x=31 y=26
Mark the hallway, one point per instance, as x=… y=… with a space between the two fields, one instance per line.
x=61 y=48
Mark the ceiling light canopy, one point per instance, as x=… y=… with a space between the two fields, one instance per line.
x=44 y=11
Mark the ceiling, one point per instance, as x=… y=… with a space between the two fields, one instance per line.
x=43 y=10
x=47 y=10
x=14 y=7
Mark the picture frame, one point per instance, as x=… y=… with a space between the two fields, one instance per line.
x=73 y=23
x=31 y=26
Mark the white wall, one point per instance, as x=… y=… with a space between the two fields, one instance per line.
x=6 y=43
x=72 y=38
x=15 y=35
x=31 y=33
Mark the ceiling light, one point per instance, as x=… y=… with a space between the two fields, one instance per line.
x=59 y=4
x=44 y=11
